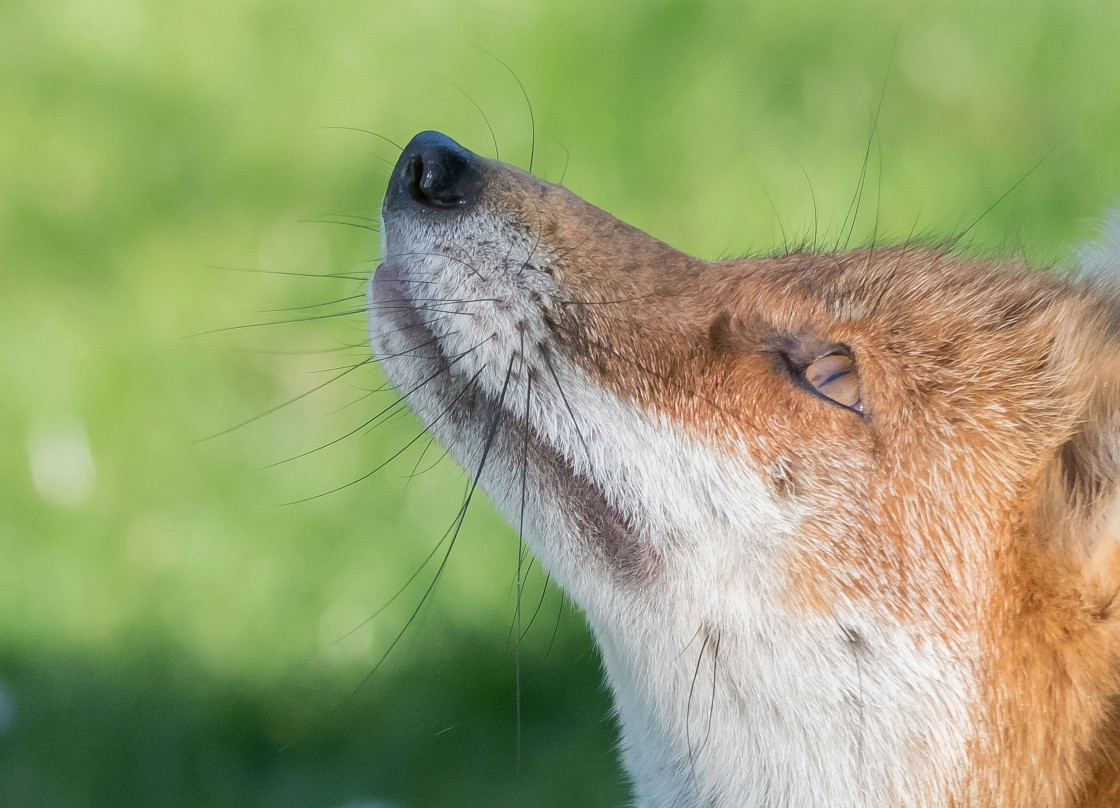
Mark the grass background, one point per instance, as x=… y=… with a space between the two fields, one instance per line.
x=172 y=633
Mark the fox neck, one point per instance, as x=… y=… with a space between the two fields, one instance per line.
x=761 y=707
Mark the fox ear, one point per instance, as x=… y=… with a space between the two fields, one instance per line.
x=1084 y=485
x=1079 y=495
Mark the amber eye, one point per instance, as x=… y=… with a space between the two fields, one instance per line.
x=836 y=377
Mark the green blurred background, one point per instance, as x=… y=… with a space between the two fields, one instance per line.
x=171 y=632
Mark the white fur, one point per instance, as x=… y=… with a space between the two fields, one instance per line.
x=786 y=697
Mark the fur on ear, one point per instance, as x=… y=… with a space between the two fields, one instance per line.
x=1088 y=496
x=1078 y=494
x=1101 y=258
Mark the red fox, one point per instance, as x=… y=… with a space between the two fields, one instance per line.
x=846 y=527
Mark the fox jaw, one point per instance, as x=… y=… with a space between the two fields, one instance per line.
x=844 y=525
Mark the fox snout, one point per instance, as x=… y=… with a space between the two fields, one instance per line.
x=864 y=502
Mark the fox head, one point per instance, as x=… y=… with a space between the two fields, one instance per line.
x=845 y=526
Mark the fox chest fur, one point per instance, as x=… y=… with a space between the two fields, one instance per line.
x=844 y=525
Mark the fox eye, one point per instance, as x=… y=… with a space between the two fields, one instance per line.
x=836 y=377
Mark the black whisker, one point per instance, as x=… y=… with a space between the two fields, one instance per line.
x=416 y=466
x=711 y=695
x=432 y=309
x=485 y=119
x=373 y=228
x=359 y=217
x=338 y=276
x=387 y=410
x=520 y=545
x=812 y=195
x=411 y=350
x=692 y=750
x=379 y=610
x=540 y=602
x=528 y=258
x=309 y=319
x=777 y=216
x=347 y=346
x=452 y=531
x=546 y=355
x=528 y=104
x=335 y=302
x=382 y=388
x=556 y=625
x=854 y=643
x=857 y=198
x=364 y=132
x=454 y=300
x=567 y=157
x=330 y=369
x=878 y=208
x=1001 y=198
x=886 y=283
x=385 y=387
x=290 y=401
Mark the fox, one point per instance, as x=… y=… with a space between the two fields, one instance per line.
x=845 y=525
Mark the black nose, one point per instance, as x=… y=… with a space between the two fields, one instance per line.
x=434 y=172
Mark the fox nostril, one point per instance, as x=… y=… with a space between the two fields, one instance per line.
x=435 y=173
x=438 y=177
